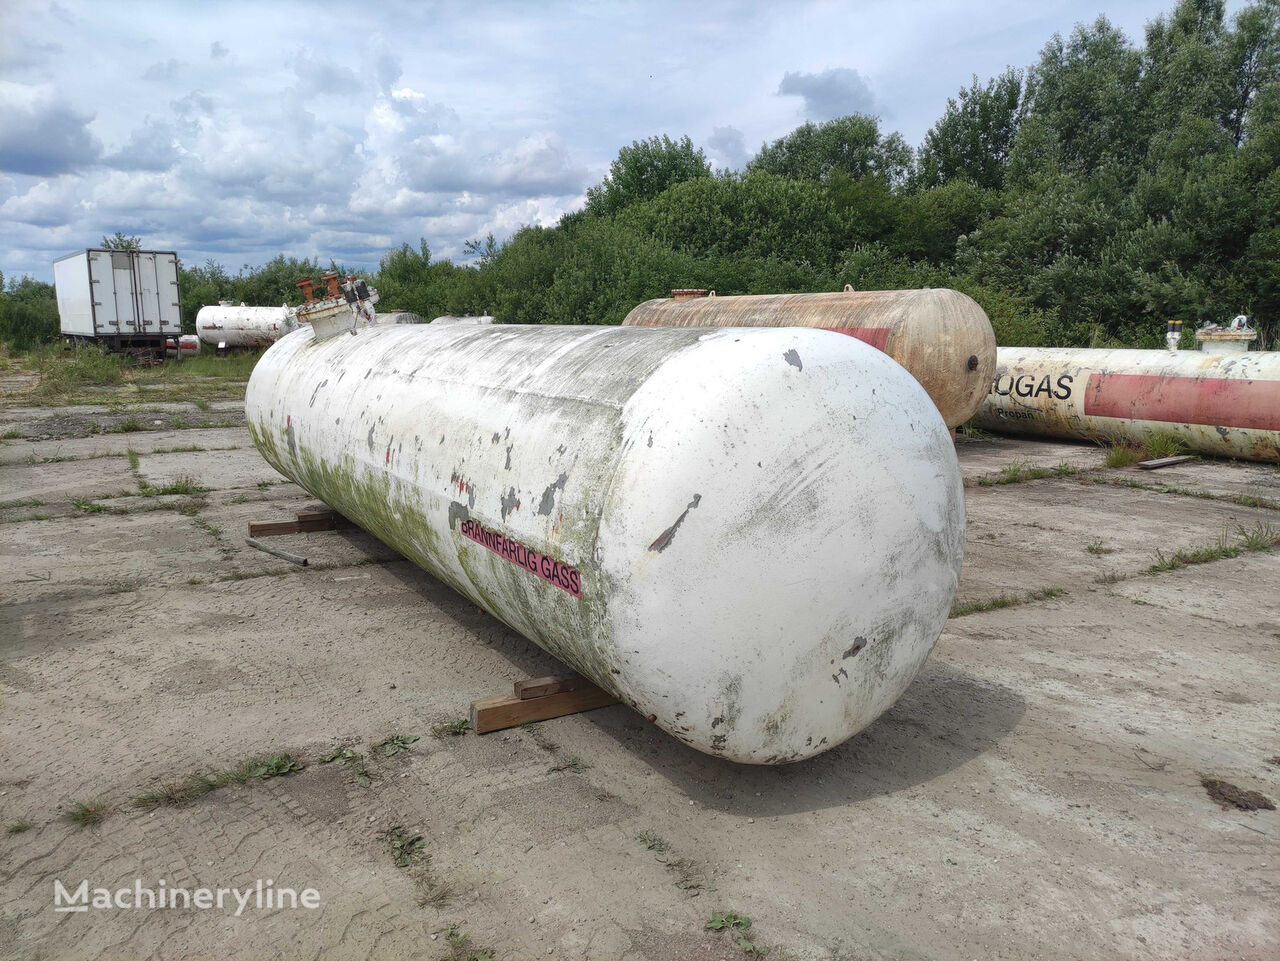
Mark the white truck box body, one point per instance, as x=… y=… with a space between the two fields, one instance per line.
x=118 y=293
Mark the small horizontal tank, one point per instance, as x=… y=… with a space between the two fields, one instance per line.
x=1227 y=405
x=226 y=325
x=752 y=536
x=941 y=336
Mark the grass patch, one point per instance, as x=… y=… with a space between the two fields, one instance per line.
x=183 y=484
x=1121 y=454
x=176 y=793
x=1097 y=548
x=977 y=433
x=1006 y=600
x=1244 y=500
x=63 y=372
x=1160 y=444
x=21 y=826
x=21 y=502
x=134 y=460
x=87 y=812
x=451 y=728
x=11 y=435
x=1260 y=537
x=1020 y=471
x=86 y=506
x=84 y=374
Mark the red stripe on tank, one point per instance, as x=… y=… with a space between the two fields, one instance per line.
x=877 y=337
x=1216 y=401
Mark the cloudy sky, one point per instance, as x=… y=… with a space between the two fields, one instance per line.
x=235 y=131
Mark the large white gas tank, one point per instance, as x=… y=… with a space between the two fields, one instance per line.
x=752 y=536
x=1223 y=404
x=226 y=325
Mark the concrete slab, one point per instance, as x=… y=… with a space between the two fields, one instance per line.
x=1035 y=793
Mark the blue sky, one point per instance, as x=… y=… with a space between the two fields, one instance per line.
x=235 y=131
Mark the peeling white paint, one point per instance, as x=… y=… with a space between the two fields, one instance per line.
x=758 y=553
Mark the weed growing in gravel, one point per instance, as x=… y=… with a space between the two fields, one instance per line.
x=451 y=728
x=20 y=826
x=431 y=891
x=652 y=841
x=193 y=786
x=213 y=530
x=737 y=925
x=1096 y=547
x=345 y=755
x=395 y=744
x=340 y=755
x=1260 y=537
x=460 y=948
x=87 y=812
x=405 y=848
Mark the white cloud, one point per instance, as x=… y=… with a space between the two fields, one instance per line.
x=343 y=129
x=835 y=92
x=42 y=133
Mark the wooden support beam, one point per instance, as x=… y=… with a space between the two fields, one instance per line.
x=307 y=522
x=552 y=684
x=498 y=713
x=1165 y=462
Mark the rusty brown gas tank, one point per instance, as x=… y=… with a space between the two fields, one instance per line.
x=942 y=337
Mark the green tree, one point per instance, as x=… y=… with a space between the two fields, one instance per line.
x=121 y=242
x=973 y=137
x=644 y=170
x=28 y=314
x=850 y=145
